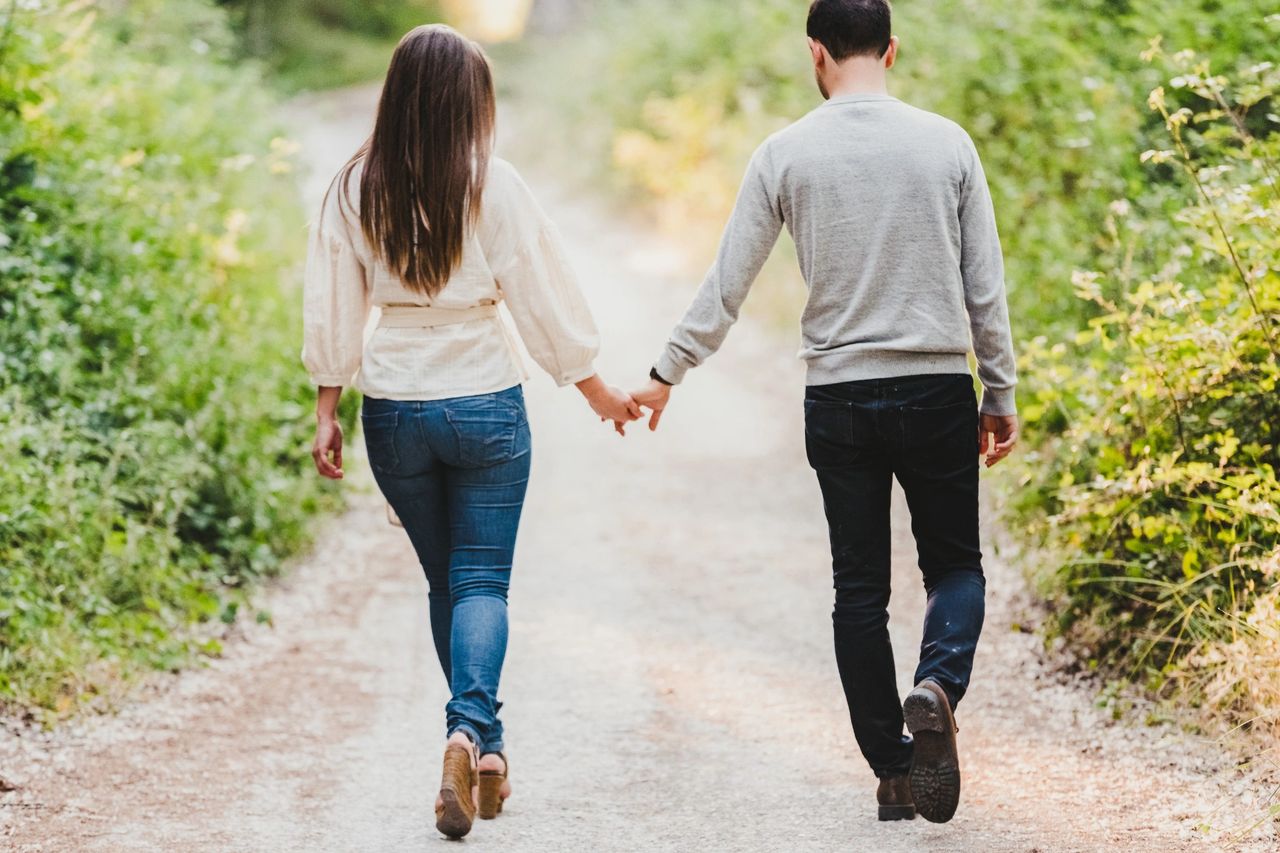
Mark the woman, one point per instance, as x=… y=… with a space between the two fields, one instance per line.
x=424 y=223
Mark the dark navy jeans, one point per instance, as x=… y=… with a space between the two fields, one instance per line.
x=859 y=436
x=455 y=471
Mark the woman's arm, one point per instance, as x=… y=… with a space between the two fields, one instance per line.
x=327 y=448
x=525 y=254
x=336 y=304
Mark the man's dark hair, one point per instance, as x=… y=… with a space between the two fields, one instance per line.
x=851 y=27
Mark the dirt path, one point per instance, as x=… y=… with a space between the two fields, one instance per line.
x=670 y=684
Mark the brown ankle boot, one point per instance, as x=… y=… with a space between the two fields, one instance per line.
x=935 y=762
x=894 y=797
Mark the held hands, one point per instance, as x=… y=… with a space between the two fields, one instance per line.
x=997 y=435
x=611 y=404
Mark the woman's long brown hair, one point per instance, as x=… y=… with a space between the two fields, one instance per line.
x=426 y=162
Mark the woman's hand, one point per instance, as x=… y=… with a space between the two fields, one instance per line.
x=611 y=404
x=327 y=449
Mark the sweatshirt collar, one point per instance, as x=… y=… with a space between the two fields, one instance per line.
x=861 y=97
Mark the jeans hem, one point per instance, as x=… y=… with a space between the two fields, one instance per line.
x=892 y=773
x=467 y=730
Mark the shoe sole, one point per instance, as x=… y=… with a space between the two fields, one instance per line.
x=897 y=813
x=452 y=820
x=935 y=764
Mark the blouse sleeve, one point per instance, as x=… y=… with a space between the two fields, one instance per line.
x=525 y=253
x=336 y=300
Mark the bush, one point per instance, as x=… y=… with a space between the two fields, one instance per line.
x=1160 y=473
x=151 y=405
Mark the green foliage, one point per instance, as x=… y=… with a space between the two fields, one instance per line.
x=319 y=44
x=151 y=406
x=1159 y=472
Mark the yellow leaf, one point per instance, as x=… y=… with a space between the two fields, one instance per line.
x=1190 y=564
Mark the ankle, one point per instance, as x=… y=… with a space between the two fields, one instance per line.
x=462 y=739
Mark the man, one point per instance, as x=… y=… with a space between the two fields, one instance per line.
x=896 y=238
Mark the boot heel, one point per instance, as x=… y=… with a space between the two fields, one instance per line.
x=907 y=812
x=490 y=795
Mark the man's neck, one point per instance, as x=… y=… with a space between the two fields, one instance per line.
x=859 y=76
x=859 y=86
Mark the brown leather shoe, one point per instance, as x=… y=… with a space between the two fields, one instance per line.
x=935 y=763
x=894 y=797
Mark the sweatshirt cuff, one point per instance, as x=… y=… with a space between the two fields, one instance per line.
x=998 y=401
x=669 y=369
x=573 y=377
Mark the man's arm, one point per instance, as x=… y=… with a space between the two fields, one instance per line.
x=982 y=269
x=748 y=239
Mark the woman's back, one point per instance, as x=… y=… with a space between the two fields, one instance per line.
x=512 y=254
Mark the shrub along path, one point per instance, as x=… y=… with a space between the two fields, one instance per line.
x=670 y=683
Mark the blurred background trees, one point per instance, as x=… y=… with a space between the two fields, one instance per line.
x=317 y=43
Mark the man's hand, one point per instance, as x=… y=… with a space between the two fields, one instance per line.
x=997 y=435
x=653 y=396
x=327 y=449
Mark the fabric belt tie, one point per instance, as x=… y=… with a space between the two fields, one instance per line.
x=429 y=316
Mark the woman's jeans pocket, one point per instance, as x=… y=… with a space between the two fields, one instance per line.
x=486 y=429
x=379 y=427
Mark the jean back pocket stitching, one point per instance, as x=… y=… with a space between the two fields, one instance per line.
x=388 y=445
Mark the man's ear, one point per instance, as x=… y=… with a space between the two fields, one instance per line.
x=891 y=53
x=818 y=52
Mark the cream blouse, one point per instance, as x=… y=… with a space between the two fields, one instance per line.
x=513 y=256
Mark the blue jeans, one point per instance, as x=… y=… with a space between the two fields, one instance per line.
x=455 y=471
x=859 y=436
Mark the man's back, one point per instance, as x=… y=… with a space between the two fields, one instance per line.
x=870 y=190
x=896 y=239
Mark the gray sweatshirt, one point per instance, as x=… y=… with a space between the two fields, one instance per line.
x=896 y=236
